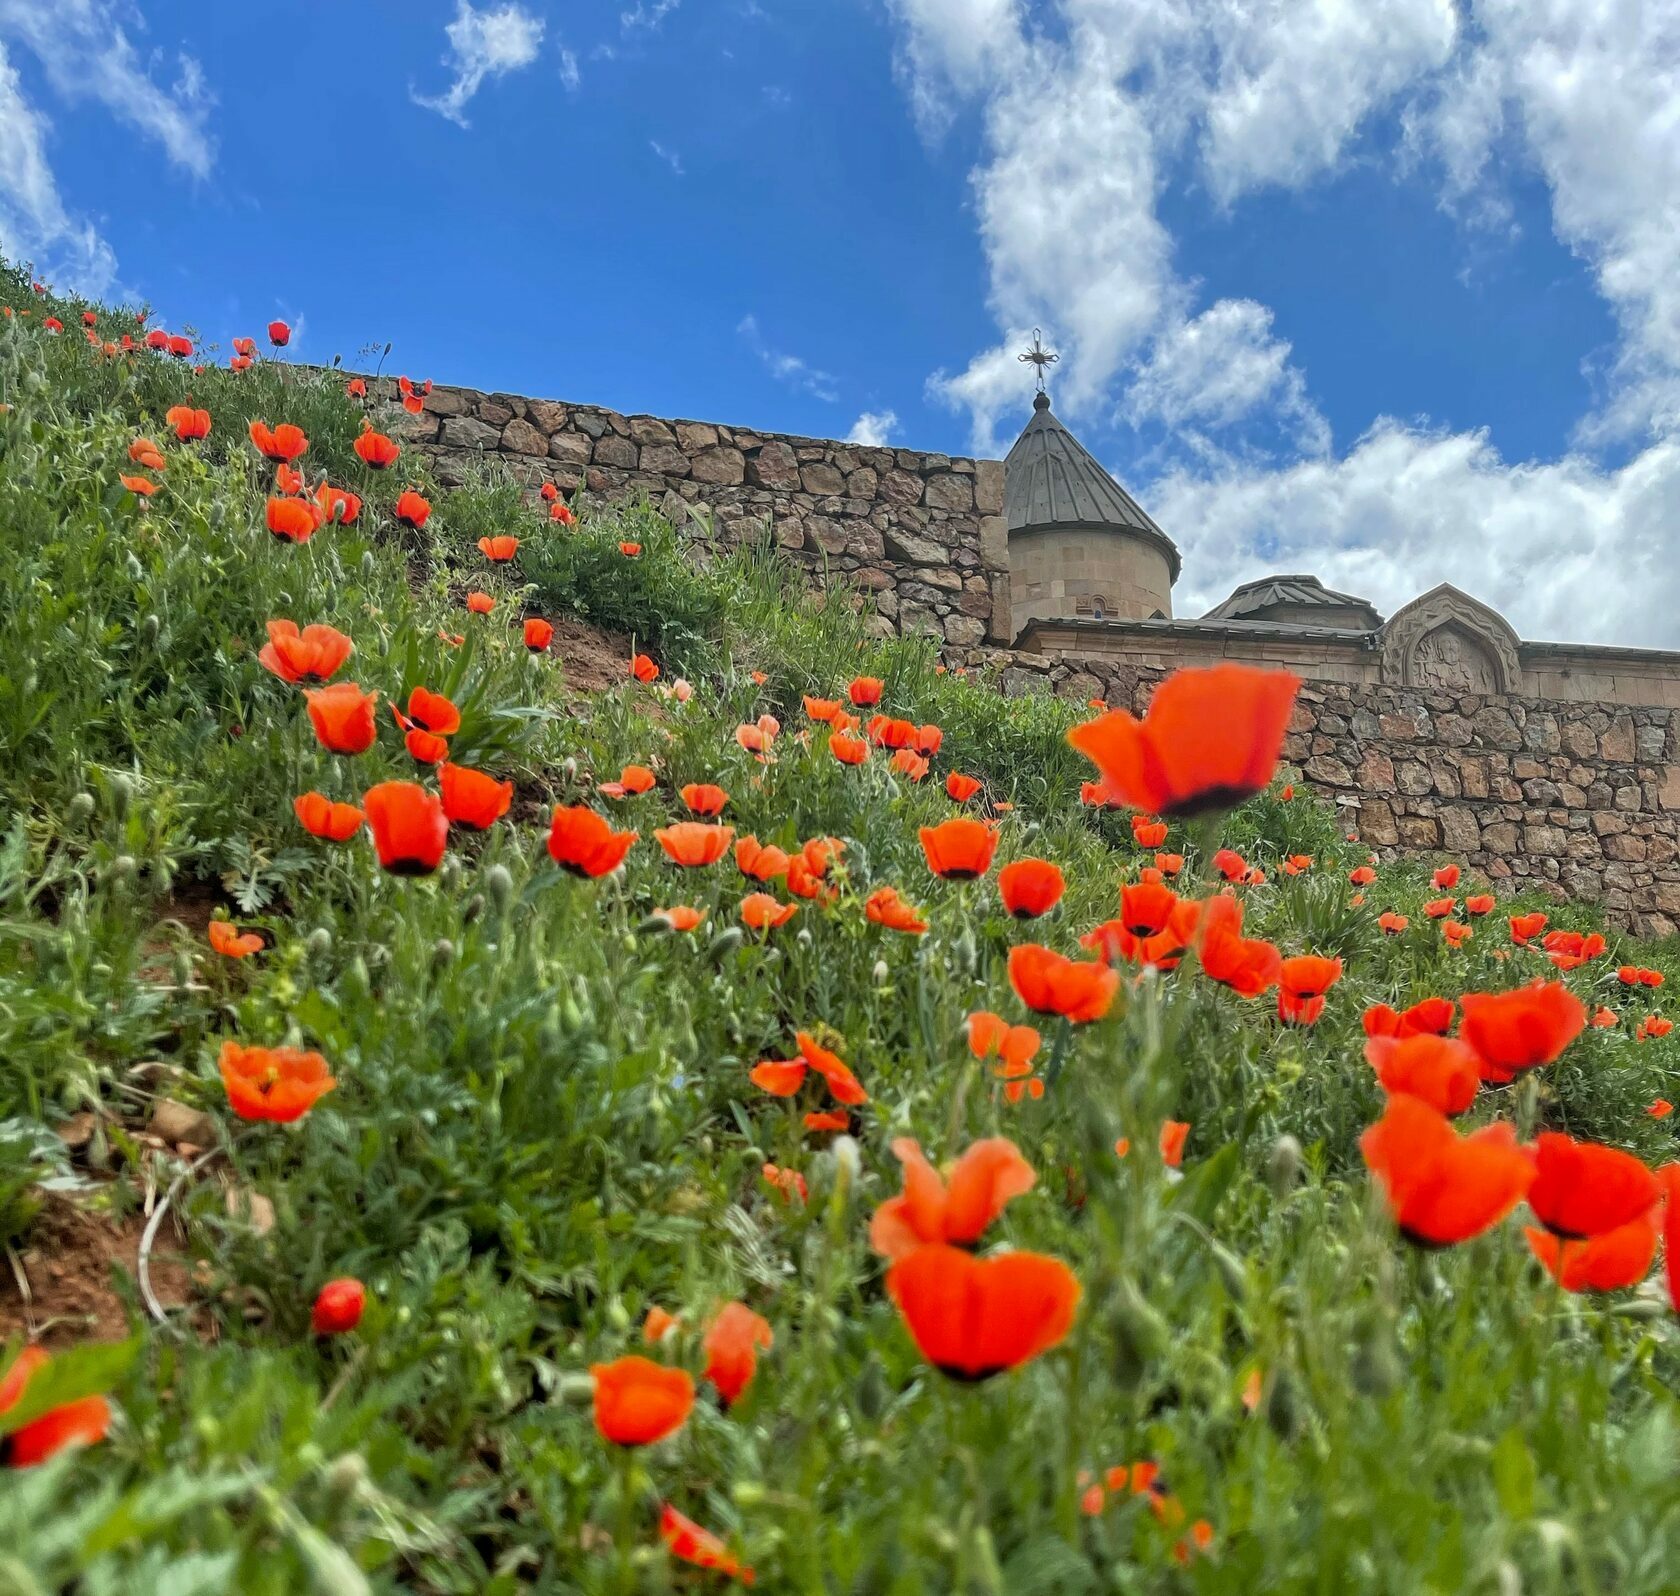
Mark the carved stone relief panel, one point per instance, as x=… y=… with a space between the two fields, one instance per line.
x=1447 y=642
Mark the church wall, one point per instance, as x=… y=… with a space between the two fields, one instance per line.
x=924 y=534
x=1069 y=570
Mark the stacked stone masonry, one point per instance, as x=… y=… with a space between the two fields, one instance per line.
x=923 y=534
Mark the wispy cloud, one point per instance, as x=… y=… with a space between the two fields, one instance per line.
x=647 y=14
x=670 y=157
x=483 y=44
x=874 y=428
x=569 y=74
x=789 y=369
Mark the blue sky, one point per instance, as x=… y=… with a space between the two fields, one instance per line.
x=1389 y=292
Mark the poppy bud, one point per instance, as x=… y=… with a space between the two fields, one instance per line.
x=569 y=768
x=123 y=868
x=725 y=942
x=443 y=953
x=747 y=1493
x=499 y=883
x=880 y=972
x=368 y=566
x=346 y=1475
x=121 y=789
x=618 y=1316
x=1141 y=1334
x=449 y=875
x=847 y=1162
x=473 y=908
x=653 y=925
x=1283 y=1411
x=870 y=1392
x=81 y=808
x=183 y=968
x=149 y=630
x=319 y=943
x=338 y=1307
x=357 y=986
x=1284 y=1167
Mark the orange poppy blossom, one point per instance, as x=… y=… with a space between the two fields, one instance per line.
x=864 y=691
x=847 y=749
x=143 y=452
x=884 y=907
x=562 y=512
x=1653 y=1026
x=804 y=882
x=188 y=424
x=1637 y=975
x=83 y=1422
x=1526 y=927
x=412 y=509
x=643 y=668
x=293 y=520
x=1030 y=887
x=342 y=716
x=498 y=550
x=630 y=550
x=284 y=443
x=1148 y=832
x=227 y=941
x=1455 y=933
x=761 y=912
x=471 y=798
x=632 y=782
x=336 y=506
x=973 y=1318
x=703 y=798
x=1440 y=908
x=316 y=653
x=1520 y=1030
x=1249 y=966
x=638 y=1401
x=731 y=1344
x=280 y=1084
x=1569 y=950
x=961 y=788
x=321 y=817
x=1174 y=1134
x=758 y=861
x=1584 y=1189
x=1155 y=927
x=1169 y=864
x=1610 y=1261
x=1363 y=876
x=1446 y=878
x=1445 y=1073
x=1661 y=1108
x=842 y=1084
x=691 y=844
x=1048 y=983
x=409 y=826
x=821 y=710
x=374 y=448
x=758 y=737
x=1210 y=739
x=1431 y=1017
x=287 y=480
x=1603 y=1019
x=1392 y=924
x=1297 y=864
x=991 y=1036
x=583 y=844
x=1095 y=795
x=1479 y=903
x=689 y=1543
x=1302 y=983
x=885 y=732
x=959 y=849
x=787 y=1183
x=956 y=1207
x=1443 y=1188
x=538 y=634
x=480 y=603
x=681 y=917
x=1231 y=865
x=907 y=762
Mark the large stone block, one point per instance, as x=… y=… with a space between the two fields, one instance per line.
x=520 y=437
x=914 y=550
x=724 y=467
x=466 y=432
x=774 y=466
x=948 y=491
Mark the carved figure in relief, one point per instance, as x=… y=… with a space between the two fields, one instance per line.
x=1451 y=661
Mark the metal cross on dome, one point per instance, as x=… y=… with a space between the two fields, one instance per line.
x=1038 y=356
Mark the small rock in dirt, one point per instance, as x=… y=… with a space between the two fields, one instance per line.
x=176 y=1122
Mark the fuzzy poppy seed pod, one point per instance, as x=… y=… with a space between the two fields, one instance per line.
x=368 y=566
x=123 y=868
x=473 y=909
x=443 y=953
x=120 y=790
x=319 y=943
x=217 y=515
x=356 y=982
x=652 y=925
x=81 y=808
x=725 y=942
x=149 y=630
x=449 y=876
x=1283 y=1169
x=569 y=768
x=880 y=972
x=498 y=882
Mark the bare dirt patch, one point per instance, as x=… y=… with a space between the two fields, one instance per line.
x=591 y=657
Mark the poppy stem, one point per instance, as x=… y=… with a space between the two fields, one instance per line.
x=626 y=1518
x=1058 y=1054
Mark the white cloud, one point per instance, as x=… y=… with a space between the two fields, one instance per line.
x=569 y=73
x=953 y=49
x=483 y=44
x=86 y=54
x=785 y=368
x=647 y=14
x=874 y=428
x=34 y=224
x=670 y=157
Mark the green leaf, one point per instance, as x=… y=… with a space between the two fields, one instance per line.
x=1514 y=1474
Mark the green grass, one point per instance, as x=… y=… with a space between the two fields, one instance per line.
x=544 y=1126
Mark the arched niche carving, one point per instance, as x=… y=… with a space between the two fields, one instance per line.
x=1447 y=642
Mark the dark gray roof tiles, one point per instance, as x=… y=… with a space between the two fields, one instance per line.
x=1265 y=592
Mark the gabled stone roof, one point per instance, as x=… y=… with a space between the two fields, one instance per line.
x=1051 y=479
x=1251 y=599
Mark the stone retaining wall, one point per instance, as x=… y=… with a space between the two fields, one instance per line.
x=923 y=533
x=1579 y=800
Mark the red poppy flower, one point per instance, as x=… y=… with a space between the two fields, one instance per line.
x=244 y=346
x=1525 y=927
x=960 y=787
x=1392 y=924
x=821 y=710
x=480 y=603
x=338 y=506
x=643 y=668
x=884 y=907
x=761 y=912
x=1174 y=1134
x=788 y=1182
x=433 y=711
x=1431 y=1017
x=849 y=750
x=864 y=691
x=189 y=424
x=1654 y=1026
x=843 y=1085
x=1363 y=876
x=280 y=1084
x=976 y=1317
x=143 y=452
x=295 y=520
x=1248 y=965
x=321 y=817
x=691 y=844
x=759 y=862
x=413 y=509
x=342 y=716
x=581 y=842
x=1030 y=887
x=1302 y=983
x=682 y=917
x=181 y=348
x=959 y=849
x=780 y=1077
x=562 y=512
x=638 y=1401
x=1446 y=878
x=1210 y=739
x=1609 y=1262
x=632 y=782
x=1148 y=833
x=1479 y=904
x=1446 y=1074
x=886 y=732
x=471 y=798
x=956 y=1208
x=1048 y=983
x=1584 y=1189
x=374 y=448
x=1444 y=1188
x=630 y=550
x=538 y=634
x=703 y=798
x=338 y=1307
x=990 y=1034
x=804 y=882
x=907 y=762
x=409 y=827
x=226 y=940
x=688 y=1542
x=316 y=653
x=731 y=1344
x=1155 y=926
x=1455 y=933
x=284 y=443
x=157 y=339
x=287 y=480
x=83 y=1422
x=279 y=334
x=1521 y=1030
x=356 y=388
x=498 y=550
